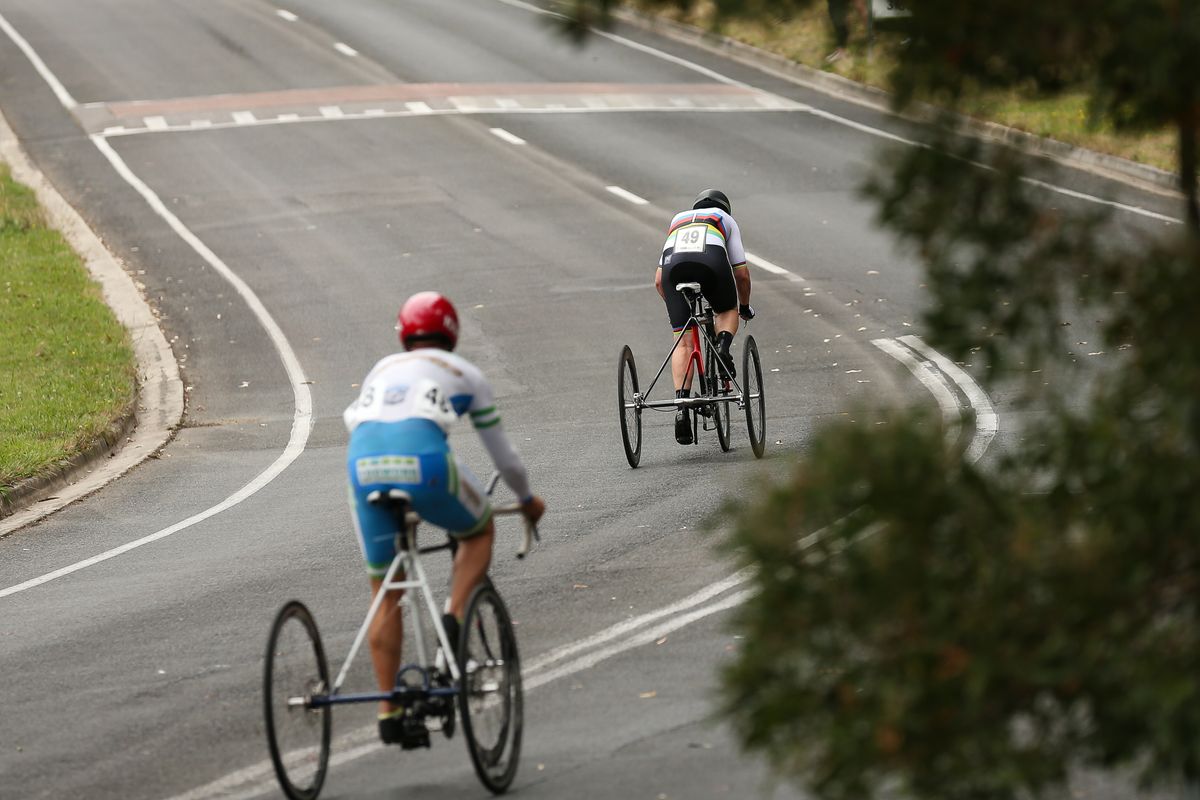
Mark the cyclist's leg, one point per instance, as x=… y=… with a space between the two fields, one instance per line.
x=459 y=504
x=679 y=313
x=721 y=289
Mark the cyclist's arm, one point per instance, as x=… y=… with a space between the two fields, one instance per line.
x=741 y=277
x=506 y=459
x=737 y=260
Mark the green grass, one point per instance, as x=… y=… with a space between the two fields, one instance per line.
x=66 y=367
x=807 y=38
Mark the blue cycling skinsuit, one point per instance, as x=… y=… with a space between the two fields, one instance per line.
x=399 y=428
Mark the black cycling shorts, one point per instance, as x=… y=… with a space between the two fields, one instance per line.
x=711 y=270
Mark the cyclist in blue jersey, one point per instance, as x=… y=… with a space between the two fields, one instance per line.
x=399 y=428
x=704 y=245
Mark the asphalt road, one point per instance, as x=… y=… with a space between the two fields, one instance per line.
x=334 y=159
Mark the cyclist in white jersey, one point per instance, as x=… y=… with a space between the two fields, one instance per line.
x=398 y=439
x=704 y=245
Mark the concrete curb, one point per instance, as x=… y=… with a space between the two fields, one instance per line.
x=1139 y=175
x=151 y=421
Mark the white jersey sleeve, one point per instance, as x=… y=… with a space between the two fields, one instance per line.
x=486 y=420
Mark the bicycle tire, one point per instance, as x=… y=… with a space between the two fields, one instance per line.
x=753 y=396
x=491 y=701
x=720 y=412
x=631 y=418
x=298 y=737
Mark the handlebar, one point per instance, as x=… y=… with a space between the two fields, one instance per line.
x=531 y=531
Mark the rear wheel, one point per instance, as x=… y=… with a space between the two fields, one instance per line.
x=630 y=414
x=490 y=695
x=294 y=672
x=716 y=388
x=752 y=396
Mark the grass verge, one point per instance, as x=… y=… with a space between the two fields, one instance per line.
x=66 y=367
x=807 y=38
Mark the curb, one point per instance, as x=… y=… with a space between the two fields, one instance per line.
x=1141 y=176
x=150 y=422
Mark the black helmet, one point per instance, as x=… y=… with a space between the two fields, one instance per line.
x=713 y=198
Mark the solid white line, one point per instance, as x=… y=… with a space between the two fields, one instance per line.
x=201 y=123
x=511 y=138
x=763 y=264
x=331 y=112
x=288 y=118
x=627 y=195
x=418 y=107
x=289 y=16
x=64 y=96
x=345 y=49
x=374 y=112
x=931 y=378
x=986 y=420
x=858 y=126
x=302 y=416
x=244 y=117
x=156 y=123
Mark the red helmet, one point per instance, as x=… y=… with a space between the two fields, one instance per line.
x=428 y=315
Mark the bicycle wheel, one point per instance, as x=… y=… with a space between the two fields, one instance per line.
x=490 y=696
x=716 y=384
x=297 y=734
x=752 y=396
x=631 y=417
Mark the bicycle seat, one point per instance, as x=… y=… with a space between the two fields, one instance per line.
x=687 y=287
x=396 y=500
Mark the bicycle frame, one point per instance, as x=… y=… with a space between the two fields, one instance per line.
x=408 y=564
x=702 y=315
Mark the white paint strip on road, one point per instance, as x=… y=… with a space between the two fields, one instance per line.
x=931 y=378
x=156 y=123
x=374 y=112
x=774 y=269
x=288 y=117
x=511 y=138
x=331 y=112
x=289 y=16
x=345 y=49
x=302 y=397
x=507 y=102
x=114 y=129
x=201 y=123
x=244 y=117
x=840 y=120
x=987 y=422
x=417 y=107
x=49 y=77
x=627 y=195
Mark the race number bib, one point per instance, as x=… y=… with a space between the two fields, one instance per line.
x=429 y=400
x=691 y=239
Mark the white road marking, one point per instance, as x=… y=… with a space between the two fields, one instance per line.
x=627 y=195
x=201 y=123
x=986 y=420
x=113 y=129
x=928 y=375
x=345 y=49
x=511 y=138
x=835 y=118
x=289 y=16
x=774 y=269
x=302 y=397
x=331 y=112
x=156 y=123
x=417 y=107
x=507 y=102
x=288 y=117
x=49 y=77
x=374 y=112
x=244 y=117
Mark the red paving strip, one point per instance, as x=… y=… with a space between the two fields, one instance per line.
x=407 y=91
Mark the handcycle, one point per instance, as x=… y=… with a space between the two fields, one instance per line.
x=482 y=671
x=717 y=388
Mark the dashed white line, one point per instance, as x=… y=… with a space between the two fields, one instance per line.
x=345 y=49
x=289 y=16
x=511 y=138
x=627 y=195
x=244 y=117
x=156 y=123
x=417 y=107
x=331 y=112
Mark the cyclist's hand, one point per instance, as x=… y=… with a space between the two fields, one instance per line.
x=746 y=312
x=533 y=508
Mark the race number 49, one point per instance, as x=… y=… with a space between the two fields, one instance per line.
x=690 y=239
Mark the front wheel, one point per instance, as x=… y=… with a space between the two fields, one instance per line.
x=630 y=414
x=490 y=695
x=752 y=397
x=294 y=672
